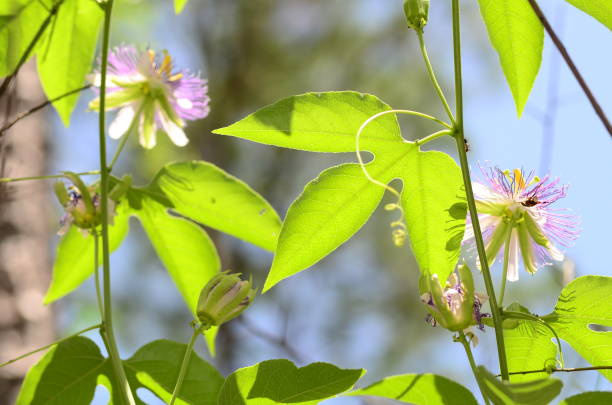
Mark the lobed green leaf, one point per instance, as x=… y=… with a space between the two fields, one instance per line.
x=319 y=122
x=589 y=398
x=67 y=54
x=280 y=381
x=601 y=10
x=66 y=374
x=203 y=192
x=329 y=211
x=183 y=247
x=518 y=37
x=584 y=306
x=536 y=392
x=419 y=389
x=74 y=261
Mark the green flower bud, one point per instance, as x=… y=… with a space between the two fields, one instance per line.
x=224 y=297
x=417 y=12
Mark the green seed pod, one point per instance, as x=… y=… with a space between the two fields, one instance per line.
x=417 y=12
x=223 y=298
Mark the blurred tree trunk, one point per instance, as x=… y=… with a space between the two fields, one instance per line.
x=25 y=227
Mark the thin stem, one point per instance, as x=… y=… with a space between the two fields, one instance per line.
x=185 y=363
x=432 y=76
x=26 y=54
x=40 y=107
x=52 y=176
x=468 y=352
x=435 y=135
x=570 y=63
x=562 y=370
x=40 y=349
x=465 y=170
x=111 y=345
x=97 y=273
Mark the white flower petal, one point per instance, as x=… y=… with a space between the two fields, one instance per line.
x=184 y=103
x=122 y=122
x=175 y=133
x=555 y=253
x=513 y=258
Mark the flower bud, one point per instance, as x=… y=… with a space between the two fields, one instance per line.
x=417 y=12
x=456 y=306
x=223 y=298
x=81 y=204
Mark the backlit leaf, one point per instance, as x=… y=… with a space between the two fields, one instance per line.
x=518 y=37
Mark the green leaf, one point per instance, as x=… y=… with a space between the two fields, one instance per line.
x=335 y=205
x=589 y=398
x=66 y=374
x=183 y=247
x=518 y=37
x=583 y=305
x=598 y=9
x=528 y=347
x=21 y=21
x=318 y=122
x=203 y=192
x=156 y=365
x=179 y=5
x=74 y=261
x=330 y=210
x=537 y=392
x=419 y=389
x=66 y=57
x=280 y=381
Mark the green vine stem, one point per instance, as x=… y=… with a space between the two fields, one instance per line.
x=432 y=76
x=185 y=363
x=563 y=370
x=460 y=139
x=468 y=351
x=40 y=349
x=107 y=330
x=97 y=272
x=52 y=176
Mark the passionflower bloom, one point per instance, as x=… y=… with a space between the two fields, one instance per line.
x=147 y=92
x=455 y=307
x=515 y=217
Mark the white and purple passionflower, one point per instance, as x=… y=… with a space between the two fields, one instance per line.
x=146 y=91
x=516 y=219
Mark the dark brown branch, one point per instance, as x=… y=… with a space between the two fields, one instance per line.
x=562 y=370
x=40 y=107
x=570 y=63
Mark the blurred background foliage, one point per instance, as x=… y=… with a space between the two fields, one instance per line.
x=360 y=306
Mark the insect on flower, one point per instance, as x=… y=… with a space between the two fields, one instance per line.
x=148 y=93
x=515 y=216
